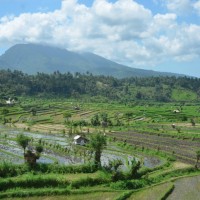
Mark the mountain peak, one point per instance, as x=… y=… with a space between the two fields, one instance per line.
x=33 y=58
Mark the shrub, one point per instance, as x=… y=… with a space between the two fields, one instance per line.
x=88 y=182
x=10 y=170
x=125 y=195
x=131 y=184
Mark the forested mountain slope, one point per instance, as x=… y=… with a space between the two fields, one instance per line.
x=32 y=58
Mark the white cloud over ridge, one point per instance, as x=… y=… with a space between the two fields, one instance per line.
x=124 y=31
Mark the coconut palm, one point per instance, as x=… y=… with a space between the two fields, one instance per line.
x=23 y=141
x=97 y=144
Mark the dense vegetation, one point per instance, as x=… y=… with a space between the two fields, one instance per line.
x=163 y=89
x=143 y=134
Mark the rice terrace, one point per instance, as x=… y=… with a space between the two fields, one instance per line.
x=99 y=100
x=82 y=146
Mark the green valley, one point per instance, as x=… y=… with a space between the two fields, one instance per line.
x=141 y=136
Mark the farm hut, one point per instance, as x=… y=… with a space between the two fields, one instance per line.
x=176 y=111
x=80 y=140
x=10 y=102
x=173 y=125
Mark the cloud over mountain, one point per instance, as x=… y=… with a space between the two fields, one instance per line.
x=125 y=31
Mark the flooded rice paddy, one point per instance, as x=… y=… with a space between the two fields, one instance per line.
x=59 y=148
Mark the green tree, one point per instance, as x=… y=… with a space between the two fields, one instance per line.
x=23 y=141
x=5 y=111
x=97 y=144
x=104 y=117
x=82 y=123
x=139 y=95
x=95 y=120
x=67 y=115
x=192 y=122
x=135 y=166
x=39 y=148
x=33 y=111
x=31 y=157
x=128 y=116
x=113 y=167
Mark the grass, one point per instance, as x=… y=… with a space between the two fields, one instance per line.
x=192 y=192
x=93 y=195
x=53 y=180
x=175 y=166
x=152 y=193
x=69 y=177
x=151 y=122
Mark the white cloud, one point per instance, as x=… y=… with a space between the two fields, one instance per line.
x=163 y=24
x=196 y=6
x=124 y=31
x=182 y=7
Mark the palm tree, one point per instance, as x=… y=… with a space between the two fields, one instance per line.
x=29 y=156
x=23 y=141
x=39 y=149
x=135 y=166
x=97 y=144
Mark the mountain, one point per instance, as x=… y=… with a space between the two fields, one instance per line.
x=33 y=58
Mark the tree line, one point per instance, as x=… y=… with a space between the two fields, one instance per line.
x=17 y=83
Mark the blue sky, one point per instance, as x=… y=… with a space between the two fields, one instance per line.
x=161 y=35
x=16 y=7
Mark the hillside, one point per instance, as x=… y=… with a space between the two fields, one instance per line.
x=164 y=89
x=32 y=58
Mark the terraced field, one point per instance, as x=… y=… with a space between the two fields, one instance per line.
x=58 y=148
x=148 y=128
x=184 y=150
x=94 y=195
x=152 y=193
x=192 y=192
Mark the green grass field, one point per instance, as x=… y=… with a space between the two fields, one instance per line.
x=141 y=129
x=152 y=193
x=186 y=188
x=94 y=195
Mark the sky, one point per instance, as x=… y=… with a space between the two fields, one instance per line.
x=161 y=35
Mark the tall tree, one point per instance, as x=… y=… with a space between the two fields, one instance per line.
x=95 y=120
x=135 y=166
x=23 y=141
x=97 y=144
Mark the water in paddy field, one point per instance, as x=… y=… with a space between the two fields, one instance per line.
x=10 y=151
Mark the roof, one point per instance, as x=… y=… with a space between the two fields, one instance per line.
x=77 y=137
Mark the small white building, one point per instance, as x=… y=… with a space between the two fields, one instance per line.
x=80 y=140
x=176 y=111
x=10 y=102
